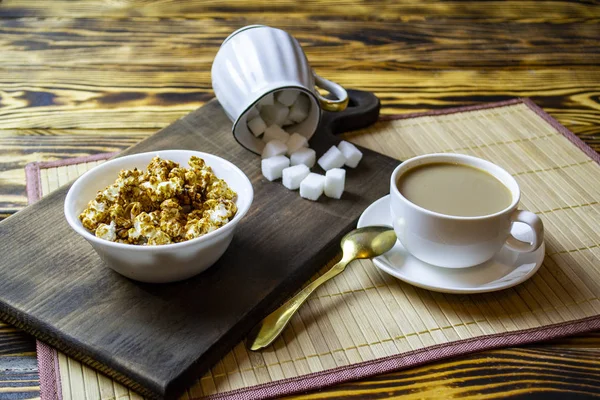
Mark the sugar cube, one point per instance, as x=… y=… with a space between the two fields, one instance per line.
x=267 y=100
x=274 y=132
x=257 y=126
x=287 y=97
x=333 y=158
x=274 y=148
x=299 y=110
x=294 y=175
x=351 y=153
x=304 y=156
x=251 y=113
x=272 y=168
x=288 y=122
x=296 y=142
x=274 y=114
x=334 y=183
x=311 y=187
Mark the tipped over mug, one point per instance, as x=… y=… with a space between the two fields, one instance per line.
x=257 y=60
x=459 y=241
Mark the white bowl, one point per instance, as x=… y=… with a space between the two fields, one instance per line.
x=162 y=263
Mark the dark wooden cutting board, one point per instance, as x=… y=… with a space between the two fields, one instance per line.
x=157 y=339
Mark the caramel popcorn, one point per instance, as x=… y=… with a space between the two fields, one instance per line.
x=166 y=204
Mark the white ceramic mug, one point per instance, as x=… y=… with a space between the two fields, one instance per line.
x=453 y=241
x=257 y=60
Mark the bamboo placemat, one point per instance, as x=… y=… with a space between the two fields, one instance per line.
x=365 y=322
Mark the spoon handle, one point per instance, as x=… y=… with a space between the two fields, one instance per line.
x=272 y=325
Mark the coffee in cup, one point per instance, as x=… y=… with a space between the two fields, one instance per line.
x=455 y=211
x=454 y=189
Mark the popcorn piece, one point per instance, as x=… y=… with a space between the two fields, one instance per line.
x=333 y=158
x=287 y=97
x=160 y=168
x=272 y=168
x=274 y=132
x=274 y=148
x=257 y=126
x=159 y=237
x=95 y=213
x=311 y=187
x=112 y=192
x=122 y=217
x=351 y=153
x=143 y=228
x=300 y=109
x=293 y=176
x=218 y=189
x=107 y=232
x=334 y=183
x=171 y=219
x=267 y=100
x=217 y=213
x=295 y=142
x=304 y=156
x=274 y=114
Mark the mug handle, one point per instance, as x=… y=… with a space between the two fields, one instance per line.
x=535 y=223
x=327 y=104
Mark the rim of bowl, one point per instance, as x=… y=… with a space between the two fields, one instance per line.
x=73 y=220
x=515 y=197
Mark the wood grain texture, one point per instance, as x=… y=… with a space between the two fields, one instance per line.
x=18 y=364
x=531 y=372
x=514 y=10
x=123 y=69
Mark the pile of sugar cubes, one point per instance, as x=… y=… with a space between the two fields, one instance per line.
x=283 y=108
x=287 y=155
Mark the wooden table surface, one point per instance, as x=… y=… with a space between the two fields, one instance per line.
x=87 y=77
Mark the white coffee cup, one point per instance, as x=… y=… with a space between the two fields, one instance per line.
x=453 y=241
x=257 y=60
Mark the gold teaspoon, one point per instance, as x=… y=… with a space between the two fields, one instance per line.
x=367 y=242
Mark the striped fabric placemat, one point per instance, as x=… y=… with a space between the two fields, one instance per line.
x=365 y=322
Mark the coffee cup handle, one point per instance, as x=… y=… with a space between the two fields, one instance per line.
x=327 y=104
x=537 y=228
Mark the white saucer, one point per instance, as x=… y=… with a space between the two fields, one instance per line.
x=508 y=268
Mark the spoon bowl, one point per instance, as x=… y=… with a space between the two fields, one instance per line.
x=366 y=242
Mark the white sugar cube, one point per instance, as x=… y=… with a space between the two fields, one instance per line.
x=351 y=153
x=273 y=167
x=334 y=183
x=295 y=143
x=293 y=176
x=274 y=114
x=274 y=132
x=267 y=100
x=299 y=110
x=288 y=122
x=274 y=148
x=304 y=156
x=257 y=126
x=251 y=113
x=333 y=158
x=287 y=97
x=311 y=187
